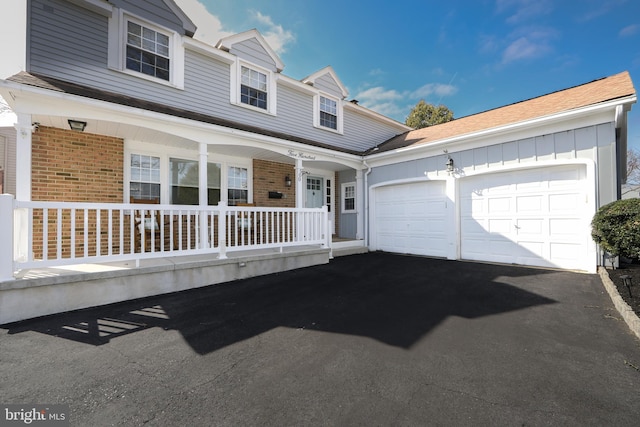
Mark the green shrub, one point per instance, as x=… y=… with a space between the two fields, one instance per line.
x=616 y=228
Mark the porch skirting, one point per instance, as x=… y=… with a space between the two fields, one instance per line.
x=32 y=296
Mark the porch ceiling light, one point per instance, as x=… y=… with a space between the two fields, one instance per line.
x=287 y=181
x=77 y=125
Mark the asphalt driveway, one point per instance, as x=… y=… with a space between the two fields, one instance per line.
x=374 y=339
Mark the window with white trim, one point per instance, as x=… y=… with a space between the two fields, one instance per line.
x=144 y=177
x=253 y=88
x=184 y=178
x=349 y=197
x=328 y=113
x=238 y=185
x=147 y=51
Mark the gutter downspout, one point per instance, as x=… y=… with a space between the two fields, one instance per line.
x=366 y=203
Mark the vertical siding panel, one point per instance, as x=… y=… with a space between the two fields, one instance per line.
x=480 y=158
x=495 y=155
x=510 y=152
x=527 y=150
x=585 y=139
x=545 y=148
x=564 y=145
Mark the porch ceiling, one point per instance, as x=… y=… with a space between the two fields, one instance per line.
x=139 y=133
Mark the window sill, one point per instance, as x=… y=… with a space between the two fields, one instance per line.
x=252 y=108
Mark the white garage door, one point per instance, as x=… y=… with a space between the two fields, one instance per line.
x=536 y=217
x=411 y=218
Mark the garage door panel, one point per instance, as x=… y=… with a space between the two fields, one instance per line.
x=499 y=204
x=566 y=251
x=411 y=218
x=529 y=203
x=565 y=202
x=501 y=226
x=563 y=228
x=534 y=217
x=530 y=226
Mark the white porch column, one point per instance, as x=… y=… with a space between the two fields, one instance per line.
x=203 y=195
x=301 y=184
x=360 y=192
x=6 y=237
x=23 y=157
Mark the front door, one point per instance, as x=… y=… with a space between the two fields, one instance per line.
x=315 y=194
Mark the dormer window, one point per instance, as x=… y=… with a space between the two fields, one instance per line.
x=328 y=113
x=253 y=88
x=147 y=51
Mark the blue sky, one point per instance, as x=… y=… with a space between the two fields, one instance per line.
x=471 y=56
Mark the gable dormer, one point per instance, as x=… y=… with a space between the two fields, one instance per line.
x=253 y=74
x=326 y=80
x=252 y=47
x=327 y=103
x=164 y=12
x=145 y=40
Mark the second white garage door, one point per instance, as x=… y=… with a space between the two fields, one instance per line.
x=411 y=218
x=536 y=217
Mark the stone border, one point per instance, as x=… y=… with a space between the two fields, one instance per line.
x=623 y=308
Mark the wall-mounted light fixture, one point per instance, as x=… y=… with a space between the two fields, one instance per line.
x=287 y=181
x=77 y=125
x=449 y=164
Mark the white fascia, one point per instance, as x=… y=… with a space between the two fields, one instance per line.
x=567 y=120
x=33 y=100
x=208 y=50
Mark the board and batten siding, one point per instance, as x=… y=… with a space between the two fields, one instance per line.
x=595 y=143
x=55 y=52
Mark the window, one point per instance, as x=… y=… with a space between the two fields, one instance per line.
x=184 y=178
x=147 y=51
x=328 y=113
x=253 y=88
x=238 y=185
x=348 y=197
x=145 y=177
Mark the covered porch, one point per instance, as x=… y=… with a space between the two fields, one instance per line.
x=95 y=254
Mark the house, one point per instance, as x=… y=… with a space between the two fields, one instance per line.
x=116 y=102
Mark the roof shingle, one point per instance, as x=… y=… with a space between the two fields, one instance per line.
x=595 y=92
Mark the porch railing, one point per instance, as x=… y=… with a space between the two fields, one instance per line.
x=45 y=234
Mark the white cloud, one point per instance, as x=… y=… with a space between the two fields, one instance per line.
x=629 y=30
x=529 y=43
x=397 y=105
x=525 y=10
x=210 y=29
x=277 y=37
x=438 y=89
